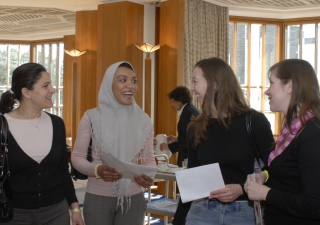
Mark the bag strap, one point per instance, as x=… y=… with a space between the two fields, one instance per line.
x=253 y=141
x=89 y=155
x=3 y=146
x=4 y=131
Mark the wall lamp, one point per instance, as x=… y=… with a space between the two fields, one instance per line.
x=145 y=47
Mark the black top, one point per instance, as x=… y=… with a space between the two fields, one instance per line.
x=37 y=185
x=181 y=145
x=232 y=149
x=294 y=197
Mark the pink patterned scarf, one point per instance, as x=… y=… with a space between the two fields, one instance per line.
x=280 y=146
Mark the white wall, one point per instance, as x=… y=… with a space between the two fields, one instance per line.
x=149 y=30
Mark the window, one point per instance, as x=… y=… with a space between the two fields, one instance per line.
x=50 y=55
x=254 y=46
x=253 y=49
x=302 y=42
x=11 y=56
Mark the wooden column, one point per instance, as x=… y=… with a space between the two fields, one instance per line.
x=171 y=62
x=85 y=96
x=69 y=43
x=120 y=26
x=170 y=68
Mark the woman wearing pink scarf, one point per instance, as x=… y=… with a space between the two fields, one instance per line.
x=292 y=191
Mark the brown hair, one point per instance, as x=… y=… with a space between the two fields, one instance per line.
x=224 y=92
x=305 y=88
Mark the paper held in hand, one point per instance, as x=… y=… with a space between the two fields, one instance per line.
x=129 y=170
x=198 y=182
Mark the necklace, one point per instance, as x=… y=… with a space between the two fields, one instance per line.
x=36 y=126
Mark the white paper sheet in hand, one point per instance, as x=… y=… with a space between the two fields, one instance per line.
x=129 y=170
x=198 y=182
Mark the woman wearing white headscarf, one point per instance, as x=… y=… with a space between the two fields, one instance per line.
x=120 y=127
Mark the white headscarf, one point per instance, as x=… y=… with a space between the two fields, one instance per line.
x=119 y=129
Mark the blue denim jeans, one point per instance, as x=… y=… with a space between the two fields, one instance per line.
x=213 y=212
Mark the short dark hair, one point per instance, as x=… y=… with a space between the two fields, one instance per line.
x=180 y=94
x=24 y=76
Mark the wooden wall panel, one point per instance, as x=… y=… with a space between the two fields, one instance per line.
x=120 y=26
x=134 y=35
x=69 y=43
x=170 y=68
x=85 y=39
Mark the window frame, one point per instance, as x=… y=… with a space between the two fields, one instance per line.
x=57 y=107
x=12 y=42
x=33 y=58
x=301 y=22
x=281 y=45
x=279 y=52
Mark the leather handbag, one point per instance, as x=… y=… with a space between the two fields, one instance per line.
x=75 y=174
x=6 y=202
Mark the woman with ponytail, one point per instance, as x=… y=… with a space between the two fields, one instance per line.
x=41 y=185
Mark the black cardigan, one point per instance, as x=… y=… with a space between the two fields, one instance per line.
x=232 y=149
x=294 y=180
x=37 y=185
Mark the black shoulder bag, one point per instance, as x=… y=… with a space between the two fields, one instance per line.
x=258 y=167
x=258 y=164
x=75 y=174
x=6 y=202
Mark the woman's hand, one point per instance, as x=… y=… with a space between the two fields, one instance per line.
x=228 y=194
x=144 y=180
x=258 y=177
x=108 y=174
x=164 y=146
x=171 y=138
x=257 y=191
x=76 y=218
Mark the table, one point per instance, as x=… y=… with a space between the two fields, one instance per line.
x=167 y=176
x=165 y=207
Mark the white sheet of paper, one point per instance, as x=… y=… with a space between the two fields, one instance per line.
x=129 y=170
x=198 y=182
